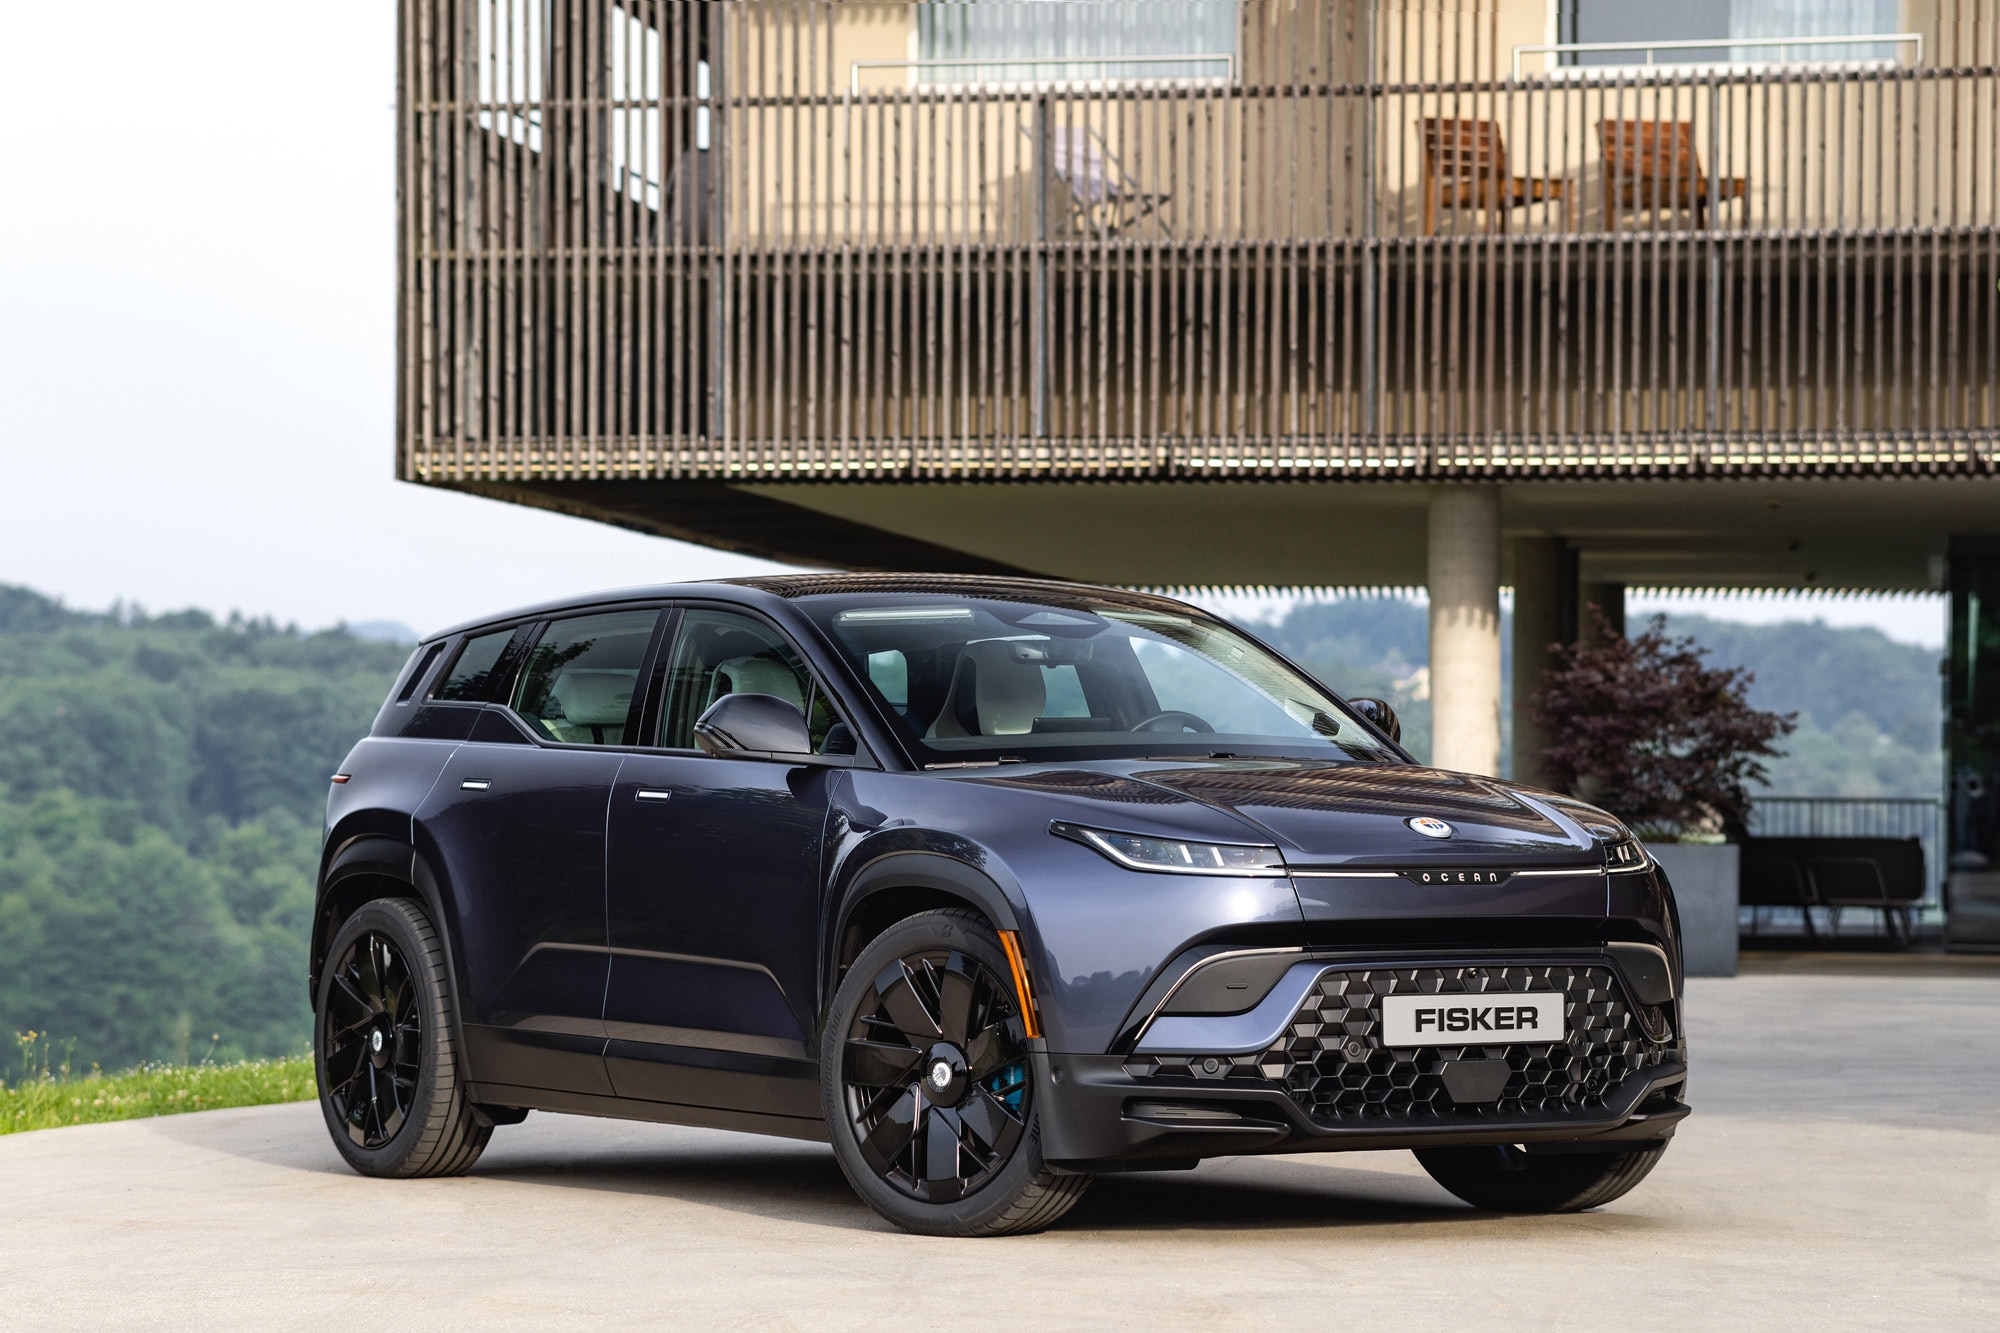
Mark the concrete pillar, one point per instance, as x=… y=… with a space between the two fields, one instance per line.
x=1465 y=628
x=1606 y=597
x=1545 y=591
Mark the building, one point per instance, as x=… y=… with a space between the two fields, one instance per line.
x=1563 y=294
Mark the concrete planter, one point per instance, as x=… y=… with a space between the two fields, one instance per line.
x=1706 y=888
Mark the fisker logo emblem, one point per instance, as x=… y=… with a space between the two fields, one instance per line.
x=940 y=1075
x=1430 y=828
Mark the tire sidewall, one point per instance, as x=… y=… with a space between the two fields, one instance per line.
x=405 y=925
x=973 y=1213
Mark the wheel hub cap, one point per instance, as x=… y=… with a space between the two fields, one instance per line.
x=945 y=1075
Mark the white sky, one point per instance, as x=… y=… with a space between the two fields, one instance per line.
x=197 y=338
x=197 y=280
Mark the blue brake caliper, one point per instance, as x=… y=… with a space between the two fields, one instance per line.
x=1008 y=1083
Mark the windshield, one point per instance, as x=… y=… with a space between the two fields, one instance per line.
x=975 y=680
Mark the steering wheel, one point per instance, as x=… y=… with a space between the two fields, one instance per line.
x=1183 y=721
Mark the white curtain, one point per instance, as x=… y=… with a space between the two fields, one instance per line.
x=1813 y=18
x=1013 y=31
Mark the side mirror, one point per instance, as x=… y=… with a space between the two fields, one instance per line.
x=753 y=726
x=1381 y=716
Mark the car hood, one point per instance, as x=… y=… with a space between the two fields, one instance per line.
x=1356 y=815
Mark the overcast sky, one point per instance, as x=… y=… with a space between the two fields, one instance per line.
x=197 y=340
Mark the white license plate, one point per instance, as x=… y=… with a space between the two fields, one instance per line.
x=1502 y=1019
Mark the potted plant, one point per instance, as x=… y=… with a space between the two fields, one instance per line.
x=1644 y=728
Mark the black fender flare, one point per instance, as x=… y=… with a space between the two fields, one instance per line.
x=388 y=858
x=912 y=868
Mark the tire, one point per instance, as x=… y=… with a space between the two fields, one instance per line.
x=966 y=1161
x=1505 y=1179
x=390 y=1083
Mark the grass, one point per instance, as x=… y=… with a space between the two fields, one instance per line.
x=48 y=1094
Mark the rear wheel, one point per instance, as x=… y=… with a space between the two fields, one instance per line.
x=927 y=1086
x=390 y=1085
x=1508 y=1179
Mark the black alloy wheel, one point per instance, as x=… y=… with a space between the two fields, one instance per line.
x=390 y=1083
x=373 y=1040
x=929 y=1085
x=936 y=1076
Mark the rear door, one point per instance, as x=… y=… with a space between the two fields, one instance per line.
x=517 y=821
x=713 y=889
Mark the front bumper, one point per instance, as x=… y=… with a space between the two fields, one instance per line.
x=1308 y=1071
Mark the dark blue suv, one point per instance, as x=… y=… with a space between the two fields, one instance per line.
x=992 y=883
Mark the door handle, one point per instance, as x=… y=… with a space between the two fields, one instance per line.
x=475 y=784
x=648 y=794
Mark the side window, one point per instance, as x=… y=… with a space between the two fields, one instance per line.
x=578 y=682
x=471 y=676
x=723 y=652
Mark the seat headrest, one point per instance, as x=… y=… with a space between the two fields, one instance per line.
x=593 y=696
x=757 y=675
x=992 y=693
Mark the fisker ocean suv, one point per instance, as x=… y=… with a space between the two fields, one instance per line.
x=993 y=884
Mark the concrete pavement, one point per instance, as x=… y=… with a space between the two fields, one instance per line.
x=1842 y=1170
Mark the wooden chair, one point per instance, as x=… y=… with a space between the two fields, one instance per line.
x=1465 y=166
x=1652 y=164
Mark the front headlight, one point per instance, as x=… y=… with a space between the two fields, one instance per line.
x=1173 y=856
x=1624 y=855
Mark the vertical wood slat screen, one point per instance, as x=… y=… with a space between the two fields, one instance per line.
x=646 y=238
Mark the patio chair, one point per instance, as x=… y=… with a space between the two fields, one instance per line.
x=1651 y=165
x=1465 y=166
x=1103 y=197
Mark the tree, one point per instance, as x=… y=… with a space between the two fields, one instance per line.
x=1646 y=730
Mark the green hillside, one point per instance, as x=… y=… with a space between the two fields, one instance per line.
x=162 y=783
x=1870 y=708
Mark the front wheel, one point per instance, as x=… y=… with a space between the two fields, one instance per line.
x=390 y=1083
x=1508 y=1179
x=927 y=1086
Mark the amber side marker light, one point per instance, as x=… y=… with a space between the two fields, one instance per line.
x=342 y=777
x=1011 y=941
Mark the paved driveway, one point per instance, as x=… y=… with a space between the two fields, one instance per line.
x=1842 y=1170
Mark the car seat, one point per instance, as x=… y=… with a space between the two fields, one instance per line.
x=757 y=675
x=992 y=693
x=589 y=704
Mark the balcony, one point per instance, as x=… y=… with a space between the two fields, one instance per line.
x=742 y=240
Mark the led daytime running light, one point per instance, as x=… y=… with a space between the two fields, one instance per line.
x=1177 y=856
x=1625 y=856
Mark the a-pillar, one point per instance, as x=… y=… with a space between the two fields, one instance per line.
x=1465 y=628
x=1545 y=598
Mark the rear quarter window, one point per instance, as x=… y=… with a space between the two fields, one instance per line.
x=471 y=676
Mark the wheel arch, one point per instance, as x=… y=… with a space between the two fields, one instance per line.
x=900 y=884
x=373 y=866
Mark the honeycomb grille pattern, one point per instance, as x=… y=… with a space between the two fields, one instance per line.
x=1332 y=1063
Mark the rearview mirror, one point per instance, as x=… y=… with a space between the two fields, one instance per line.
x=753 y=726
x=1381 y=716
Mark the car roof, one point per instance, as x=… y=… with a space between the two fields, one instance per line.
x=789 y=586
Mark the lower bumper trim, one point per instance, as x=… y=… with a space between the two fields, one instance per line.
x=1098 y=1115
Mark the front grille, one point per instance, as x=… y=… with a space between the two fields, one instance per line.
x=1333 y=1066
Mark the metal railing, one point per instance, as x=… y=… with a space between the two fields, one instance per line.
x=1369 y=253
x=1919 y=817
x=1103 y=64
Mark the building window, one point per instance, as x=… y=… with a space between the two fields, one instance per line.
x=1045 y=41
x=1743 y=31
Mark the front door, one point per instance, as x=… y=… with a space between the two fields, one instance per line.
x=517 y=823
x=713 y=892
